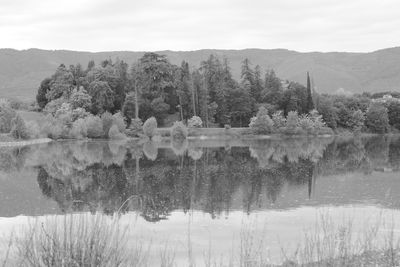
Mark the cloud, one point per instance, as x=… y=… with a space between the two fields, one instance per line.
x=99 y=25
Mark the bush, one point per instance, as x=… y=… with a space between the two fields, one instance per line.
x=80 y=99
x=179 y=131
x=292 y=122
x=79 y=113
x=377 y=119
x=107 y=121
x=306 y=124
x=33 y=129
x=79 y=129
x=150 y=127
x=115 y=134
x=52 y=128
x=357 y=120
x=118 y=120
x=94 y=127
x=195 y=122
x=278 y=119
x=18 y=128
x=53 y=106
x=262 y=123
x=7 y=114
x=135 y=128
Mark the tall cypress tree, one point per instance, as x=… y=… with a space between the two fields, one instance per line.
x=310 y=102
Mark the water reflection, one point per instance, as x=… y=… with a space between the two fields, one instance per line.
x=216 y=177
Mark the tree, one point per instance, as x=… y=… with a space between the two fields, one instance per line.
x=62 y=83
x=159 y=108
x=262 y=123
x=247 y=73
x=129 y=107
x=18 y=128
x=310 y=102
x=377 y=119
x=394 y=113
x=257 y=88
x=41 y=98
x=184 y=91
x=272 y=92
x=102 y=97
x=80 y=99
x=328 y=112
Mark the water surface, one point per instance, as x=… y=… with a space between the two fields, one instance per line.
x=202 y=194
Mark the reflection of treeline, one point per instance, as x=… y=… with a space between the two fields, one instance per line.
x=211 y=182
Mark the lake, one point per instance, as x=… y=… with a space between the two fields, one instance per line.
x=203 y=199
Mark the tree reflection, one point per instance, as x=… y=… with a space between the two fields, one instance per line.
x=100 y=176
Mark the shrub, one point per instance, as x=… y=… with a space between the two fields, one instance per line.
x=150 y=127
x=6 y=116
x=118 y=120
x=195 y=122
x=53 y=106
x=79 y=129
x=79 y=113
x=94 y=127
x=357 y=120
x=107 y=121
x=80 y=99
x=135 y=128
x=18 y=128
x=377 y=119
x=292 y=122
x=179 y=131
x=52 y=128
x=33 y=129
x=262 y=123
x=306 y=123
x=115 y=134
x=278 y=119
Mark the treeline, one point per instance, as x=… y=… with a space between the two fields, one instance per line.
x=153 y=87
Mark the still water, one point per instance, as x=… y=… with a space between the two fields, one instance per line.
x=200 y=196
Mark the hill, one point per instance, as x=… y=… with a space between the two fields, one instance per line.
x=22 y=71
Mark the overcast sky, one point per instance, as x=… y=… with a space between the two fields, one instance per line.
x=150 y=25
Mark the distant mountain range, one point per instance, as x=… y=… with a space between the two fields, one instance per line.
x=22 y=71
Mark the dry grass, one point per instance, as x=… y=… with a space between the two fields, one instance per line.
x=77 y=240
x=98 y=240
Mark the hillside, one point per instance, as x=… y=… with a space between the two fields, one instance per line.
x=22 y=71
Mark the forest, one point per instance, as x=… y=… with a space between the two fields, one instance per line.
x=90 y=101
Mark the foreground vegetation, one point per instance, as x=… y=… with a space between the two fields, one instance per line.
x=96 y=240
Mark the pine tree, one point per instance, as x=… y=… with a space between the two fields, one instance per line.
x=310 y=102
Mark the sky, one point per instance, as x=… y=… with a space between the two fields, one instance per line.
x=182 y=25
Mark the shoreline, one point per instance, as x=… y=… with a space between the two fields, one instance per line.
x=25 y=142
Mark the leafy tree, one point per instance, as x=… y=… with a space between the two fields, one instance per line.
x=18 y=128
x=377 y=119
x=159 y=108
x=241 y=106
x=262 y=123
x=394 y=113
x=80 y=99
x=62 y=83
x=7 y=114
x=102 y=97
x=328 y=112
x=129 y=107
x=150 y=127
x=41 y=98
